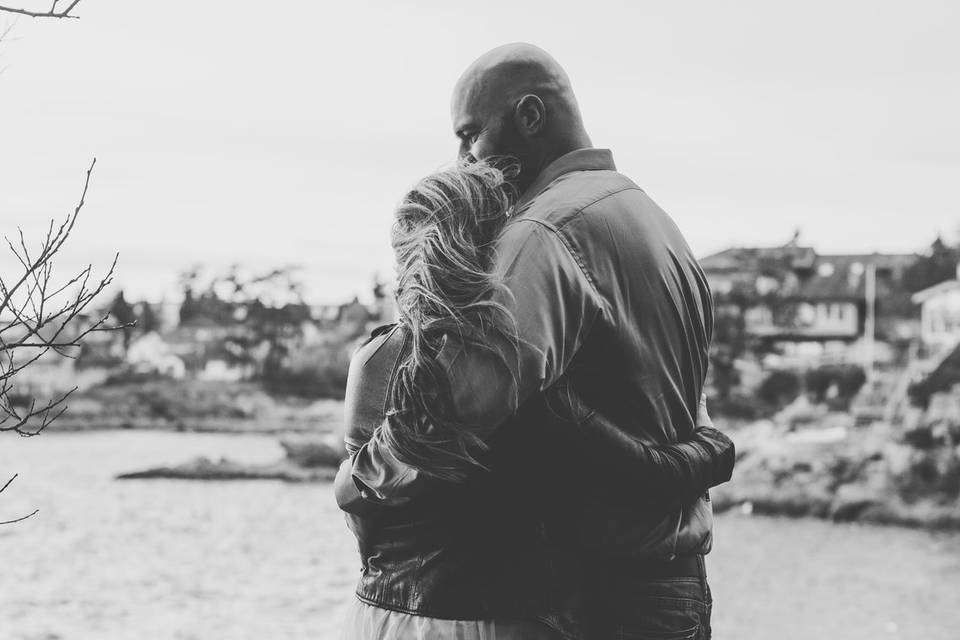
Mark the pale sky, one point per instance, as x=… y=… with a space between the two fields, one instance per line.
x=271 y=133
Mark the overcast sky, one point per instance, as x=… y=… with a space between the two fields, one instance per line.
x=227 y=132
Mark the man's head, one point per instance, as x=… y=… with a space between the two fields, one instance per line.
x=517 y=101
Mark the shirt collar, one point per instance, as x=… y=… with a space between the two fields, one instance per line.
x=588 y=159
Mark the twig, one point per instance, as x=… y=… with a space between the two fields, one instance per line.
x=22 y=518
x=50 y=13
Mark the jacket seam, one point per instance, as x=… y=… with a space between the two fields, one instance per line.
x=394 y=370
x=574 y=254
x=557 y=230
x=579 y=211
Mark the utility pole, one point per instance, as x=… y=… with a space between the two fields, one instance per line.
x=870 y=325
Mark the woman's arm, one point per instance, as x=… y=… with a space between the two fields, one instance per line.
x=658 y=473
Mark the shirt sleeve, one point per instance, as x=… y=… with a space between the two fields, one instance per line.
x=552 y=305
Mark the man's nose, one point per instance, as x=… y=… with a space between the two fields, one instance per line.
x=463 y=153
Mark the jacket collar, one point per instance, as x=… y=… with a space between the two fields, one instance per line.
x=588 y=159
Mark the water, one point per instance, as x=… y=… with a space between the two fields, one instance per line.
x=242 y=560
x=165 y=559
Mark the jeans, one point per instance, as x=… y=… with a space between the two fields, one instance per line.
x=645 y=608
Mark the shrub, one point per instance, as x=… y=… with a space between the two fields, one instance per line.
x=738 y=405
x=318 y=371
x=943 y=378
x=780 y=388
x=327 y=380
x=849 y=378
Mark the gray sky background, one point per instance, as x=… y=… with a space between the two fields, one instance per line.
x=230 y=132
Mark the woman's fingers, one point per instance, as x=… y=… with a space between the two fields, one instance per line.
x=703 y=418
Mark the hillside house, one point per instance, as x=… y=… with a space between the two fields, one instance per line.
x=939 y=315
x=805 y=302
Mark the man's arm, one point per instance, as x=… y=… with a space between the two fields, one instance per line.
x=553 y=304
x=664 y=474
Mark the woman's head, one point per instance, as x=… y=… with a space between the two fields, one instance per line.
x=443 y=238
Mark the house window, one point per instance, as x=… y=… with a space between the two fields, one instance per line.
x=765 y=285
x=823 y=313
x=721 y=286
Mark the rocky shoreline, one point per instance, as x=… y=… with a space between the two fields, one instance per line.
x=832 y=468
x=224 y=469
x=305 y=460
x=805 y=461
x=220 y=407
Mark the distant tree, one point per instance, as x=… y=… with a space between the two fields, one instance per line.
x=122 y=312
x=147 y=319
x=780 y=388
x=729 y=343
x=379 y=289
x=846 y=379
x=267 y=309
x=730 y=340
x=937 y=264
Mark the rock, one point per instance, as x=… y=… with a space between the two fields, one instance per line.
x=206 y=469
x=897 y=456
x=312 y=452
x=801 y=411
x=851 y=500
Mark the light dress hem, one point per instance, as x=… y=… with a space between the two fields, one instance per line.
x=368 y=622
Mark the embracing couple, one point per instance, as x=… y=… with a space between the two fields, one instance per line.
x=529 y=449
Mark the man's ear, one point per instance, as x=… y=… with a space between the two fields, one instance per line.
x=530 y=115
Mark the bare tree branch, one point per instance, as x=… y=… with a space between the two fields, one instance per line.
x=50 y=13
x=21 y=518
x=38 y=318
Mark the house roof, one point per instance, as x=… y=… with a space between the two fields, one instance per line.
x=932 y=292
x=759 y=259
x=843 y=276
x=808 y=276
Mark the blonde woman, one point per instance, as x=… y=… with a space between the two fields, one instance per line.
x=464 y=559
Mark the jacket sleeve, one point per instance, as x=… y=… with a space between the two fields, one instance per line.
x=653 y=473
x=669 y=473
x=552 y=304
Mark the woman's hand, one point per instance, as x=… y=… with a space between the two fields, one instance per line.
x=703 y=418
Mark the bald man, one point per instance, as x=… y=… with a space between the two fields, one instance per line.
x=607 y=295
